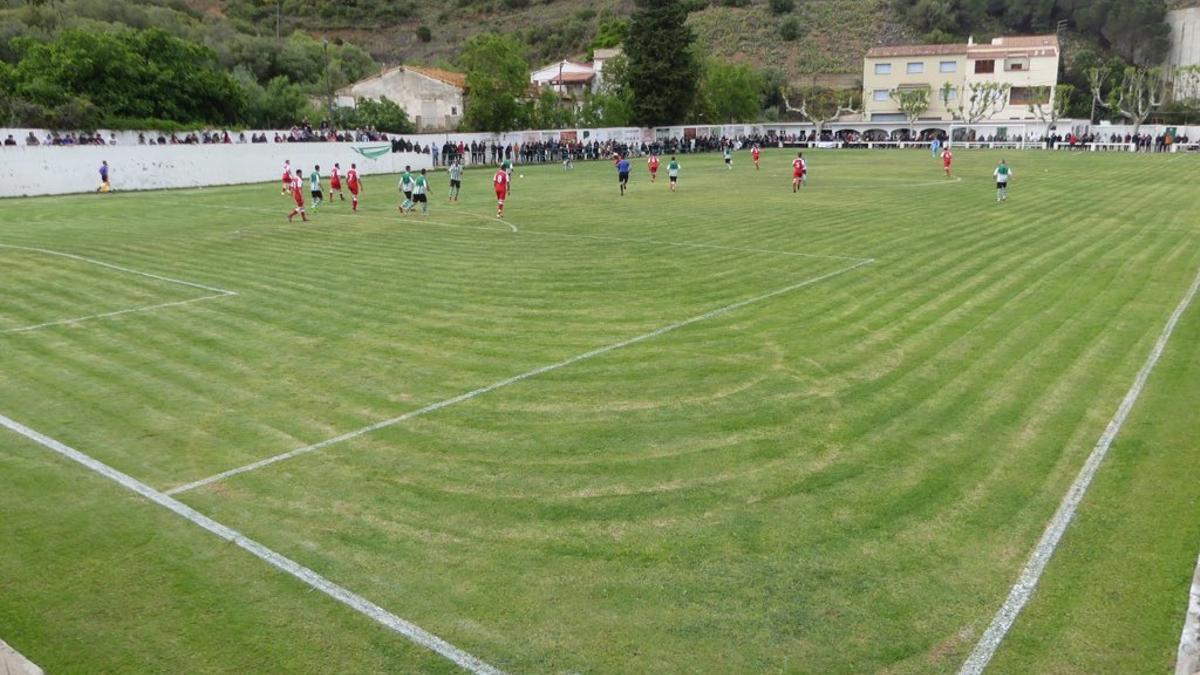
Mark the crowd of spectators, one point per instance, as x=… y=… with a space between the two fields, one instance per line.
x=69 y=138
x=547 y=151
x=492 y=152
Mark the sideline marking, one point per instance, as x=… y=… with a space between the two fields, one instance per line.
x=216 y=292
x=414 y=633
x=1188 y=662
x=515 y=379
x=1027 y=582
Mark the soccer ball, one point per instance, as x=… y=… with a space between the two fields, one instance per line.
x=522 y=175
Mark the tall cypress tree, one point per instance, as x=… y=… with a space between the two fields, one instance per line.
x=663 y=72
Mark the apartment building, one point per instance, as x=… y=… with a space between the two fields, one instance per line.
x=1023 y=62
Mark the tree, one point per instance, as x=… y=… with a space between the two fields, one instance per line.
x=789 y=29
x=127 y=73
x=663 y=71
x=1142 y=91
x=383 y=115
x=611 y=105
x=549 y=112
x=1135 y=29
x=913 y=103
x=278 y=105
x=984 y=101
x=1049 y=106
x=497 y=76
x=612 y=33
x=1097 y=76
x=821 y=105
x=728 y=93
x=782 y=6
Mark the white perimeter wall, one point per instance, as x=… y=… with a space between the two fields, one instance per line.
x=40 y=170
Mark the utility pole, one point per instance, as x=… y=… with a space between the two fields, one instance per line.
x=328 y=81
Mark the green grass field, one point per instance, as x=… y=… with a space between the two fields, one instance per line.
x=731 y=429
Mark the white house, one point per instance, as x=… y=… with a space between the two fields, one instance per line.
x=434 y=99
x=570 y=79
x=1028 y=64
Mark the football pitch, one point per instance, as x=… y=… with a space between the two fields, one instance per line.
x=729 y=429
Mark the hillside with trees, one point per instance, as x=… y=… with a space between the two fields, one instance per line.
x=269 y=63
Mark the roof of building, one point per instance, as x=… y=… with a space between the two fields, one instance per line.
x=1027 y=45
x=916 y=50
x=458 y=80
x=564 y=62
x=449 y=77
x=573 y=78
x=602 y=54
x=1017 y=45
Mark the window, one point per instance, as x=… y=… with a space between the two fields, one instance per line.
x=453 y=110
x=947 y=67
x=950 y=95
x=915 y=67
x=881 y=95
x=883 y=69
x=985 y=66
x=1017 y=64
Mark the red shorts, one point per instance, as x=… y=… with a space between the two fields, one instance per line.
x=797 y=174
x=501 y=194
x=299 y=199
x=654 y=169
x=946 y=164
x=353 y=188
x=335 y=184
x=287 y=180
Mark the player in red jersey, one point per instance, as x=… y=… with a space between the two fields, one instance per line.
x=354 y=185
x=287 y=177
x=335 y=182
x=298 y=195
x=755 y=153
x=947 y=159
x=799 y=172
x=652 y=162
x=500 y=180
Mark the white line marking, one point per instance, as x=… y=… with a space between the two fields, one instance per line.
x=512 y=226
x=79 y=319
x=1023 y=589
x=411 y=631
x=515 y=379
x=217 y=292
x=127 y=270
x=1188 y=662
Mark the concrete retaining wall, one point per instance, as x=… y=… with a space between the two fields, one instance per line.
x=28 y=171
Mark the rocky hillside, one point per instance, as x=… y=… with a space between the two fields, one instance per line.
x=813 y=37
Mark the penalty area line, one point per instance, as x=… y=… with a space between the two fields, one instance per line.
x=1027 y=582
x=515 y=379
x=216 y=292
x=409 y=630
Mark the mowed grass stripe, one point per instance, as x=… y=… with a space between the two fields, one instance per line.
x=427 y=495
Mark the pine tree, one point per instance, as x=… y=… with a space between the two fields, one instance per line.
x=663 y=71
